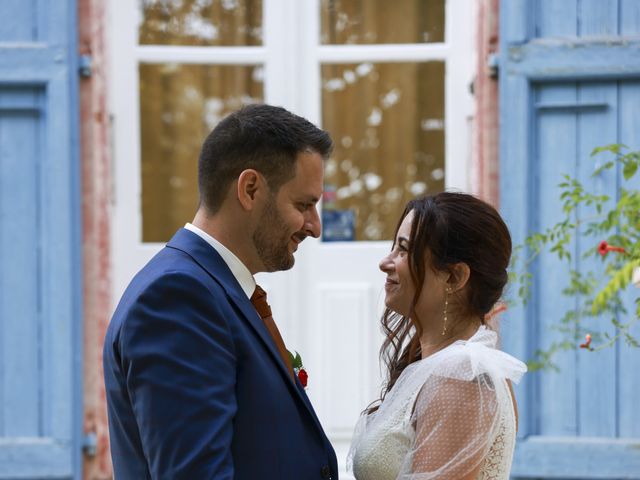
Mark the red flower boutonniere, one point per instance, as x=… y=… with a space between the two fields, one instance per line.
x=298 y=368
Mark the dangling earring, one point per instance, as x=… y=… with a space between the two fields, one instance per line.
x=446 y=305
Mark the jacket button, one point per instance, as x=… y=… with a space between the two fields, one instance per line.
x=325 y=472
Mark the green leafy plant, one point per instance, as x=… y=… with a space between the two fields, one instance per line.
x=613 y=230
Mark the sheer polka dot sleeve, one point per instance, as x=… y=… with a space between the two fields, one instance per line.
x=455 y=420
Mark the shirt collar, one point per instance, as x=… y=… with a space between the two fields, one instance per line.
x=238 y=269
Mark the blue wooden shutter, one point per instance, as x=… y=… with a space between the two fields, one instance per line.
x=40 y=257
x=569 y=81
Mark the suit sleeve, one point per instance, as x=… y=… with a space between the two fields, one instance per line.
x=179 y=363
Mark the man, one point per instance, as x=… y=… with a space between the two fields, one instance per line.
x=199 y=384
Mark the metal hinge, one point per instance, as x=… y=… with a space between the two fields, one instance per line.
x=493 y=64
x=90 y=444
x=84 y=66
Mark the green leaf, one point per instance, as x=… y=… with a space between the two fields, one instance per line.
x=613 y=288
x=296 y=360
x=629 y=170
x=601 y=289
x=613 y=148
x=605 y=166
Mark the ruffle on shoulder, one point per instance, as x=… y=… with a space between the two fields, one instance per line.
x=473 y=358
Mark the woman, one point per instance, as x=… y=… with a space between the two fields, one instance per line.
x=447 y=410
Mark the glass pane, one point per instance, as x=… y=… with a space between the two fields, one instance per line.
x=179 y=106
x=382 y=21
x=387 y=121
x=200 y=22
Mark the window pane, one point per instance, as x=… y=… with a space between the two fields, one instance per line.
x=382 y=21
x=200 y=22
x=179 y=105
x=387 y=121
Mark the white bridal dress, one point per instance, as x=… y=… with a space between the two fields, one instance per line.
x=445 y=415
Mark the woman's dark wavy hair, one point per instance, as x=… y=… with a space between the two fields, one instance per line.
x=450 y=228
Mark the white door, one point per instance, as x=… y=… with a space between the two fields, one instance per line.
x=388 y=80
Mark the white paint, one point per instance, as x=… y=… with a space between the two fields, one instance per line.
x=368 y=54
x=460 y=36
x=372 y=181
x=391 y=98
x=334 y=84
x=375 y=117
x=195 y=55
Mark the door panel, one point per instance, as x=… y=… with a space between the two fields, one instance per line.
x=566 y=135
x=40 y=260
x=20 y=132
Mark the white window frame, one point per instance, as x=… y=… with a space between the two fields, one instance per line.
x=292 y=57
x=457 y=51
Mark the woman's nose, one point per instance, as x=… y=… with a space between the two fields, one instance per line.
x=386 y=264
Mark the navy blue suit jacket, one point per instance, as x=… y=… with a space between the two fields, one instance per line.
x=195 y=386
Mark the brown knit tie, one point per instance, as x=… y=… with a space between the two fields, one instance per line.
x=259 y=300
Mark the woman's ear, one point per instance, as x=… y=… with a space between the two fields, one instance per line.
x=249 y=184
x=459 y=276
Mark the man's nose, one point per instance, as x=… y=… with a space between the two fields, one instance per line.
x=312 y=225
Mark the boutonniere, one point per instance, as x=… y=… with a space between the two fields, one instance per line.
x=298 y=368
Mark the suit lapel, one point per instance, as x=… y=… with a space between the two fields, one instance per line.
x=209 y=259
x=247 y=308
x=307 y=402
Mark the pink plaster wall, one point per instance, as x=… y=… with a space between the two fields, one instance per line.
x=96 y=188
x=486 y=135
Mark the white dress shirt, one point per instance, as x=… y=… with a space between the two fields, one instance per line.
x=239 y=270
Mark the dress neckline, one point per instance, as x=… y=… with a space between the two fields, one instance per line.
x=482 y=335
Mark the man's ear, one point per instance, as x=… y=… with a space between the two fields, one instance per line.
x=250 y=184
x=459 y=276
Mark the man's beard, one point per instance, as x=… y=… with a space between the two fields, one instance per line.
x=271 y=240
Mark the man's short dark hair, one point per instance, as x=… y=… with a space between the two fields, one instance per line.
x=262 y=137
